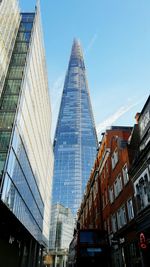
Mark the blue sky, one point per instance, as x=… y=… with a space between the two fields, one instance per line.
x=115 y=37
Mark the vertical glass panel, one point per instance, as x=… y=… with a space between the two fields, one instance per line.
x=26 y=17
x=23 y=36
x=24 y=189
x=25 y=26
x=14 y=201
x=9 y=102
x=21 y=47
x=4 y=140
x=12 y=86
x=6 y=120
x=18 y=59
x=16 y=72
x=2 y=161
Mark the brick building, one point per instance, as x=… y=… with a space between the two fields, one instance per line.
x=107 y=202
x=140 y=176
x=117 y=195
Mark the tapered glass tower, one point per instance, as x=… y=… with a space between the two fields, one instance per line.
x=75 y=140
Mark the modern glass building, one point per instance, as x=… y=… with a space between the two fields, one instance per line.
x=9 y=23
x=62 y=228
x=26 y=156
x=61 y=233
x=75 y=140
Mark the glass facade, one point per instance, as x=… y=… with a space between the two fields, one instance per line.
x=10 y=95
x=26 y=156
x=75 y=140
x=61 y=228
x=9 y=24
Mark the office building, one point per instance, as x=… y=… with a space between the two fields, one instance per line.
x=26 y=157
x=75 y=140
x=9 y=23
x=75 y=146
x=61 y=232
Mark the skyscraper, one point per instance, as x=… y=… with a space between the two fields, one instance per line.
x=26 y=157
x=9 y=23
x=75 y=140
x=61 y=231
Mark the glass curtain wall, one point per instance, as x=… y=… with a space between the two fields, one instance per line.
x=26 y=162
x=11 y=92
x=19 y=182
x=9 y=24
x=75 y=141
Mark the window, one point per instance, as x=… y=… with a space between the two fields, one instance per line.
x=144 y=122
x=103 y=201
x=9 y=102
x=106 y=167
x=16 y=72
x=95 y=191
x=142 y=190
x=105 y=196
x=111 y=194
x=125 y=174
x=2 y=160
x=12 y=86
x=6 y=120
x=116 y=188
x=86 y=211
x=4 y=140
x=108 y=225
x=130 y=209
x=23 y=36
x=26 y=26
x=84 y=215
x=118 y=185
x=21 y=47
x=96 y=186
x=114 y=158
x=90 y=200
x=114 y=223
x=121 y=217
x=18 y=59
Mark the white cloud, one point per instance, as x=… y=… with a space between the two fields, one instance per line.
x=91 y=43
x=114 y=117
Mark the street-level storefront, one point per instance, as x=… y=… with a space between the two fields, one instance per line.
x=125 y=247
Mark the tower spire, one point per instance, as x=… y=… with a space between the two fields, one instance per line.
x=76 y=49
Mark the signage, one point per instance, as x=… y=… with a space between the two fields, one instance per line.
x=142 y=244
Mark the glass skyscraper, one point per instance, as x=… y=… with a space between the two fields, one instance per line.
x=9 y=23
x=26 y=156
x=62 y=229
x=75 y=142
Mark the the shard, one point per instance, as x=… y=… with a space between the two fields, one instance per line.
x=75 y=141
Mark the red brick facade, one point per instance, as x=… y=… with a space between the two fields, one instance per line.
x=107 y=202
